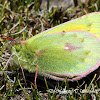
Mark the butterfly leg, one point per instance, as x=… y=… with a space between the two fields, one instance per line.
x=36 y=76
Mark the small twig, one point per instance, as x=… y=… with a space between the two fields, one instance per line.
x=92 y=81
x=7 y=73
x=7 y=63
x=2 y=87
x=14 y=26
x=28 y=98
x=96 y=7
x=3 y=59
x=20 y=31
x=41 y=25
x=8 y=9
x=2 y=19
x=98 y=78
x=30 y=32
x=82 y=84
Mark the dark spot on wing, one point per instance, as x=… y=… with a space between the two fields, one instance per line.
x=88 y=30
x=90 y=24
x=87 y=53
x=74 y=35
x=82 y=59
x=63 y=33
x=82 y=40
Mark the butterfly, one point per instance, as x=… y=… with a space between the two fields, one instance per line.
x=70 y=50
